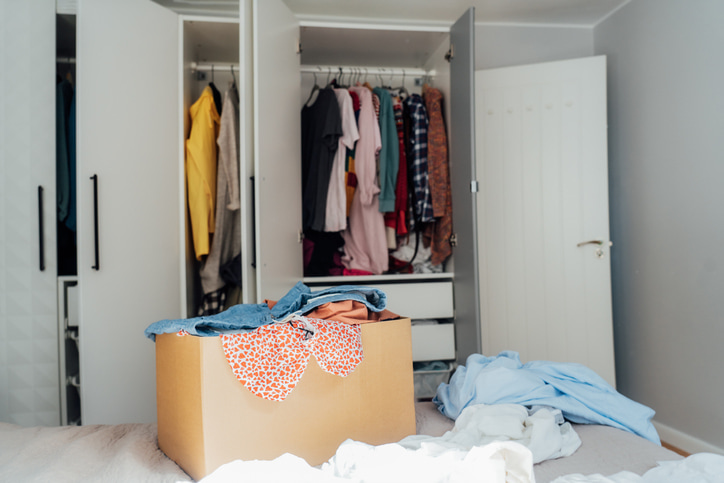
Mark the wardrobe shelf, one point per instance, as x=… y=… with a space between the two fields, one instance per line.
x=391 y=278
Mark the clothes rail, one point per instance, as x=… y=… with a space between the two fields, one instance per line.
x=65 y=60
x=217 y=66
x=384 y=71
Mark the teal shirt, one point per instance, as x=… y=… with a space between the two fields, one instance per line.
x=390 y=152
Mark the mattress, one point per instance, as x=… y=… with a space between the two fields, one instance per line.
x=129 y=452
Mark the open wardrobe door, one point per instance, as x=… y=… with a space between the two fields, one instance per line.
x=463 y=180
x=277 y=146
x=128 y=201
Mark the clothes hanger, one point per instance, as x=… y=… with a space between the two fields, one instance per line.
x=340 y=83
x=233 y=85
x=315 y=88
x=402 y=89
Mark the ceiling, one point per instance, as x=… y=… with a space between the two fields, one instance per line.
x=576 y=13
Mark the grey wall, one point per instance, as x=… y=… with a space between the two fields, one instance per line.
x=666 y=170
x=506 y=45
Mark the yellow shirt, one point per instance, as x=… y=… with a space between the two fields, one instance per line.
x=201 y=170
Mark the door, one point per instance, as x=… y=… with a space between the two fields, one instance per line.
x=29 y=389
x=543 y=213
x=277 y=149
x=463 y=182
x=129 y=269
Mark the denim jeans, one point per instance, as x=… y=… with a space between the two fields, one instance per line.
x=247 y=317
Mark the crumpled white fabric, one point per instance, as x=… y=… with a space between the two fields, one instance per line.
x=500 y=462
x=697 y=468
x=287 y=467
x=541 y=432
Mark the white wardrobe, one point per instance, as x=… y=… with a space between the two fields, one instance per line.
x=450 y=295
x=137 y=69
x=272 y=47
x=128 y=264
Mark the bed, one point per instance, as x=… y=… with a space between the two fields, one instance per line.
x=129 y=452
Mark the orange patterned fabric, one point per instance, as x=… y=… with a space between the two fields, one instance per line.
x=439 y=179
x=271 y=360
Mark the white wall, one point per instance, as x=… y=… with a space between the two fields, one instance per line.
x=666 y=171
x=506 y=45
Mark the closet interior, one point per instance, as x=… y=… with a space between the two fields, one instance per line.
x=210 y=60
x=65 y=204
x=399 y=57
x=404 y=62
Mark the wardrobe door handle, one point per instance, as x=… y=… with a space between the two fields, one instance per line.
x=41 y=236
x=97 y=266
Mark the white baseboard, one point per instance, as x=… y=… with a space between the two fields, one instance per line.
x=684 y=441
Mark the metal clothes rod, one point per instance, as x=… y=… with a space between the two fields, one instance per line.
x=221 y=67
x=348 y=69
x=65 y=60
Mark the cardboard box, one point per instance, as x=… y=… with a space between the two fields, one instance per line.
x=206 y=417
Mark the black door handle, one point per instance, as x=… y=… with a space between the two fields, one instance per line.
x=41 y=236
x=97 y=266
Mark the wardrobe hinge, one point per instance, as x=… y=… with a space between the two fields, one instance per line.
x=474 y=186
x=450 y=53
x=454 y=240
x=299 y=47
x=300 y=237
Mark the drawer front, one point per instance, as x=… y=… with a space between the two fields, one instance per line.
x=431 y=300
x=432 y=342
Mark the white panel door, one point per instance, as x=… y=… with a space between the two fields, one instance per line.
x=127 y=69
x=542 y=161
x=29 y=389
x=277 y=145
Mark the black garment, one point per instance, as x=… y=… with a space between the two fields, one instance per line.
x=323 y=255
x=321 y=130
x=217 y=97
x=231 y=271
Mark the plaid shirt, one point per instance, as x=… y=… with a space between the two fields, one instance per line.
x=418 y=158
x=213 y=302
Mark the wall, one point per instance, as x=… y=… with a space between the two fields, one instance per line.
x=666 y=141
x=506 y=45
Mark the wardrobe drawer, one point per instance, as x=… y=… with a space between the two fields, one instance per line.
x=433 y=342
x=416 y=300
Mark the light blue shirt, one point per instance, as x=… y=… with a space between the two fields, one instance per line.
x=581 y=394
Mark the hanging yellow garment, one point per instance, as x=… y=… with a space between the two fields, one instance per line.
x=201 y=170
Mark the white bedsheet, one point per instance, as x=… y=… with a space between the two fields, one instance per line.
x=697 y=468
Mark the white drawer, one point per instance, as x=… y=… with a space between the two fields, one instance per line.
x=416 y=300
x=432 y=342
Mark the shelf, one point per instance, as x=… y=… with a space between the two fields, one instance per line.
x=363 y=279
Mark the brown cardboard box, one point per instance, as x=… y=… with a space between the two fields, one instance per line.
x=206 y=417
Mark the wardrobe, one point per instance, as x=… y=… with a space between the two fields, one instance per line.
x=275 y=64
x=137 y=67
x=128 y=193
x=446 y=60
